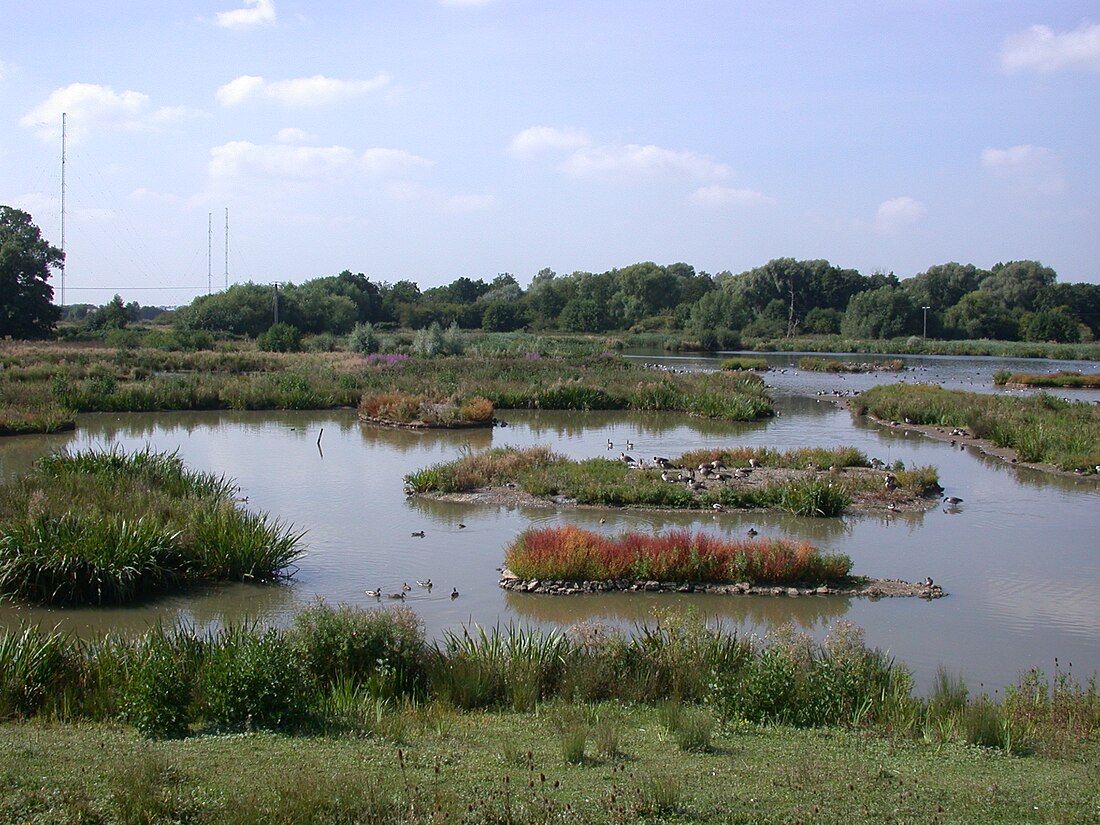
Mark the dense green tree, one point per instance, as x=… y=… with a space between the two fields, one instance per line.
x=1018 y=284
x=942 y=286
x=1056 y=324
x=717 y=317
x=1082 y=301
x=243 y=309
x=112 y=315
x=26 y=297
x=981 y=315
x=583 y=315
x=888 y=312
x=799 y=286
x=502 y=316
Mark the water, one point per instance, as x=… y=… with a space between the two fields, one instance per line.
x=1019 y=557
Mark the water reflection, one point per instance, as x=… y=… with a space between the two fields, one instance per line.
x=1018 y=557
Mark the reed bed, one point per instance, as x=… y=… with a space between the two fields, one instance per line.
x=812 y=364
x=572 y=554
x=44 y=385
x=342 y=669
x=108 y=527
x=1041 y=429
x=807 y=481
x=1062 y=380
x=744 y=363
x=405 y=408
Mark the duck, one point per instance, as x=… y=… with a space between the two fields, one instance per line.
x=418 y=534
x=454 y=593
x=425 y=583
x=377 y=594
x=461 y=526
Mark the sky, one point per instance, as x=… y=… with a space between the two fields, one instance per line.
x=435 y=139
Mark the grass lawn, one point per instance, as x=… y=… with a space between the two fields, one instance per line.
x=436 y=765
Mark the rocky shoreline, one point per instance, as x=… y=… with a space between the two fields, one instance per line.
x=869 y=588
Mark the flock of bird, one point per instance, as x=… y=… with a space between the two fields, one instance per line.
x=425 y=584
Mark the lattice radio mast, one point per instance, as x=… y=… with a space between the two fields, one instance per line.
x=62 y=209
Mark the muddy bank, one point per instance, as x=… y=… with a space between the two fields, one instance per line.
x=868 y=588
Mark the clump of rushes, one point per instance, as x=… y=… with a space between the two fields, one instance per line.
x=1039 y=428
x=1064 y=379
x=812 y=364
x=407 y=408
x=742 y=363
x=108 y=527
x=572 y=554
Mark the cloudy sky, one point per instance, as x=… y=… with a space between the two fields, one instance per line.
x=433 y=139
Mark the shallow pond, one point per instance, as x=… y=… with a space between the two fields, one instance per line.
x=1020 y=557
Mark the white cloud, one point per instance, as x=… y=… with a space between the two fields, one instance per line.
x=88 y=106
x=294 y=135
x=1033 y=168
x=242 y=159
x=717 y=195
x=305 y=91
x=585 y=159
x=1044 y=50
x=255 y=13
x=896 y=213
x=538 y=139
x=632 y=160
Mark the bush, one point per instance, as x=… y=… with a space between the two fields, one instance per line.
x=280 y=338
x=363 y=339
x=252 y=680
x=161 y=685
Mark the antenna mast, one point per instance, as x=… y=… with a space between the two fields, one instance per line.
x=227 y=247
x=62 y=209
x=209 y=248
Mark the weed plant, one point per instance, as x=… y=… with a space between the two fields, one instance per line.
x=571 y=554
x=108 y=527
x=1039 y=428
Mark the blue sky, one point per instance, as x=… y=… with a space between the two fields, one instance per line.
x=433 y=139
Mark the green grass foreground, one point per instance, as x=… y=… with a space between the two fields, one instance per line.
x=1041 y=429
x=106 y=527
x=814 y=491
x=52 y=382
x=571 y=554
x=349 y=716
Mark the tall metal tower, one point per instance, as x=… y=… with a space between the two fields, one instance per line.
x=63 y=209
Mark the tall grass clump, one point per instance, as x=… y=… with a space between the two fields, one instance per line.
x=33 y=666
x=571 y=554
x=1039 y=428
x=380 y=651
x=160 y=689
x=109 y=527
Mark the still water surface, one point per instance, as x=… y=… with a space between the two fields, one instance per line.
x=1020 y=557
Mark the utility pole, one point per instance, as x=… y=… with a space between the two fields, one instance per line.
x=275 y=302
x=926 y=321
x=227 y=247
x=62 y=209
x=209 y=249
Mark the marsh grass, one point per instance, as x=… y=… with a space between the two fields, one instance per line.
x=571 y=554
x=1039 y=428
x=1062 y=380
x=43 y=385
x=33 y=668
x=69 y=533
x=744 y=363
x=405 y=408
x=612 y=483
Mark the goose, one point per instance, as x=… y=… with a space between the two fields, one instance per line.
x=377 y=594
x=610 y=444
x=752 y=532
x=400 y=595
x=660 y=461
x=716 y=507
x=418 y=534
x=405 y=587
x=629 y=444
x=454 y=592
x=951 y=501
x=425 y=583
x=927 y=582
x=754 y=463
x=626 y=459
x=461 y=526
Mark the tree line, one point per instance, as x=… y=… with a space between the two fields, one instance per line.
x=1017 y=300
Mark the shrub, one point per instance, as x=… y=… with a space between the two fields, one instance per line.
x=280 y=337
x=161 y=684
x=363 y=339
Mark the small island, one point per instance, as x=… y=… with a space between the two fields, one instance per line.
x=417 y=411
x=569 y=560
x=818 y=483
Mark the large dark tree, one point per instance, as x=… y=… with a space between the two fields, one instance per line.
x=26 y=297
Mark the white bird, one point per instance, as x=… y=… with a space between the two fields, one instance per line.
x=716 y=507
x=426 y=583
x=374 y=593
